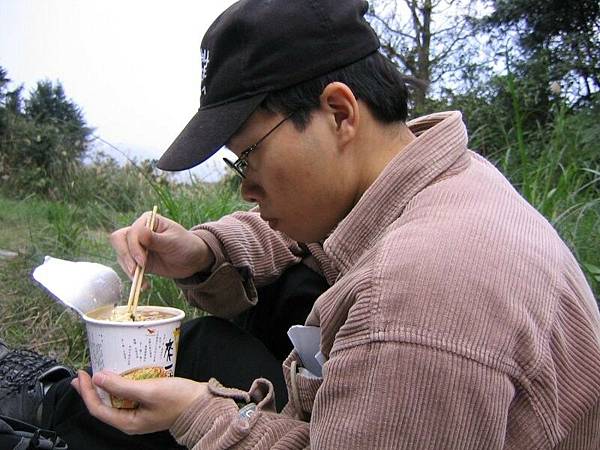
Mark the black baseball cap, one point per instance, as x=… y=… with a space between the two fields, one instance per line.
x=259 y=46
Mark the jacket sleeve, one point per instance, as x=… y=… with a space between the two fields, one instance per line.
x=247 y=242
x=218 y=424
x=248 y=253
x=375 y=395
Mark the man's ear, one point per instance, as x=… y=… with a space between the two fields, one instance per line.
x=338 y=100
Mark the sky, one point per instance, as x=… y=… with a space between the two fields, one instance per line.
x=132 y=66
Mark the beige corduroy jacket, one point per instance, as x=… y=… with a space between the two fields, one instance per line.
x=456 y=318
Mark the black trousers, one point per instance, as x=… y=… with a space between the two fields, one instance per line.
x=234 y=352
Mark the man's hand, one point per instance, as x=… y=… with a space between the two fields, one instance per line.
x=161 y=400
x=173 y=251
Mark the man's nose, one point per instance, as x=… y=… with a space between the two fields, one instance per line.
x=250 y=191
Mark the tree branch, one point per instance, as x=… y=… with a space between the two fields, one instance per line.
x=392 y=53
x=444 y=53
x=417 y=25
x=391 y=30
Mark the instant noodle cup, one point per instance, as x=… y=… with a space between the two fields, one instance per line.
x=136 y=349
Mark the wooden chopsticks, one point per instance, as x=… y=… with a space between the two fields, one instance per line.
x=136 y=283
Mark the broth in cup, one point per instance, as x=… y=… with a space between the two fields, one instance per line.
x=121 y=314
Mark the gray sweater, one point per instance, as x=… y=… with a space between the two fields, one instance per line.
x=456 y=318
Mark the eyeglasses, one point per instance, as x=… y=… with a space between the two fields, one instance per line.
x=240 y=166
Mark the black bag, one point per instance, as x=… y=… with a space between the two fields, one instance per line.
x=17 y=435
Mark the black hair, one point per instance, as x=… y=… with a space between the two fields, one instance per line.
x=374 y=80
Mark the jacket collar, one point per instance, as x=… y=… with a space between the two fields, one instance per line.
x=441 y=142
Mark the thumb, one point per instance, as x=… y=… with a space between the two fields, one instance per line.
x=119 y=386
x=157 y=240
x=150 y=241
x=146 y=237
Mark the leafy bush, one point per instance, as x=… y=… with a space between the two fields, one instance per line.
x=41 y=141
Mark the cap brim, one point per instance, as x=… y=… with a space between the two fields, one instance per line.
x=207 y=132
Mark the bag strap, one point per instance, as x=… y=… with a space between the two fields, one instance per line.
x=24 y=436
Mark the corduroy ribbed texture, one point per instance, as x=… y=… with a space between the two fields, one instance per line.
x=457 y=319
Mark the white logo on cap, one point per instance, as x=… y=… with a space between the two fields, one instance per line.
x=205 y=59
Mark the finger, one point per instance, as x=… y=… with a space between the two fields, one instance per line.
x=85 y=387
x=118 y=240
x=152 y=239
x=126 y=420
x=137 y=241
x=144 y=237
x=161 y=223
x=128 y=265
x=121 y=387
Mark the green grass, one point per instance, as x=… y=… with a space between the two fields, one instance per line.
x=557 y=169
x=34 y=227
x=29 y=317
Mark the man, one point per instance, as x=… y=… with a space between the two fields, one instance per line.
x=455 y=318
